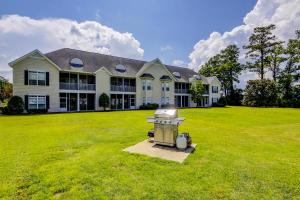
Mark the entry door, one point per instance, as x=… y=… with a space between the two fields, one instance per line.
x=126 y=101
x=73 y=102
x=63 y=104
x=132 y=102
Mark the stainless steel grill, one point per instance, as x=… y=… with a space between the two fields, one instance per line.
x=166 y=124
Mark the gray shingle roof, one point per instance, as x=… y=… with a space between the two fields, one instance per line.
x=94 y=61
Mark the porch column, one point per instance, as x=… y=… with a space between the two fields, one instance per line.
x=78 y=103
x=77 y=81
x=96 y=105
x=146 y=92
x=122 y=101
x=181 y=101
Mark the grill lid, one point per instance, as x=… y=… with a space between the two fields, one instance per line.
x=166 y=113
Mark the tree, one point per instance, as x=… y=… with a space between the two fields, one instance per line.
x=262 y=92
x=104 y=101
x=230 y=68
x=197 y=90
x=5 y=89
x=226 y=67
x=275 y=59
x=290 y=73
x=259 y=48
x=211 y=66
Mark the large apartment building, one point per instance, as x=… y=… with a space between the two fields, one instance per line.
x=72 y=80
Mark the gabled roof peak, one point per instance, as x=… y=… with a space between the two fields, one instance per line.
x=157 y=60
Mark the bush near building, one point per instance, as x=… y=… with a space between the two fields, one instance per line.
x=15 y=105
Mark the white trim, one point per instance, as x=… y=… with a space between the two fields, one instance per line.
x=105 y=69
x=76 y=72
x=155 y=61
x=12 y=63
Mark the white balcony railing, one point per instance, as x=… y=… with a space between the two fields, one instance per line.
x=77 y=86
x=182 y=91
x=122 y=88
x=186 y=91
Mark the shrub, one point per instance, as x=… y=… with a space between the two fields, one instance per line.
x=220 y=103
x=235 y=99
x=168 y=106
x=149 y=106
x=261 y=92
x=5 y=110
x=293 y=101
x=15 y=105
x=104 y=101
x=36 y=111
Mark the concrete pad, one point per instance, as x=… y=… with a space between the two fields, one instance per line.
x=168 y=153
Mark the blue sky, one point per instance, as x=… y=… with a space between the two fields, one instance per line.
x=165 y=29
x=180 y=32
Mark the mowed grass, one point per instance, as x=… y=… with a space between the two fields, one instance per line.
x=242 y=153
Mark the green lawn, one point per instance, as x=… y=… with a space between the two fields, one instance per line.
x=242 y=153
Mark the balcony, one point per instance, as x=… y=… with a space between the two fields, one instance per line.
x=181 y=91
x=76 y=86
x=186 y=91
x=120 y=88
x=74 y=81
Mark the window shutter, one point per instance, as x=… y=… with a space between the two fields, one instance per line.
x=26 y=77
x=47 y=78
x=47 y=102
x=26 y=102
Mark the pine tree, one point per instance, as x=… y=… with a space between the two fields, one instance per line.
x=260 y=46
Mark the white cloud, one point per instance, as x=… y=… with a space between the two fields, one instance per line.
x=166 y=48
x=178 y=62
x=284 y=14
x=20 y=35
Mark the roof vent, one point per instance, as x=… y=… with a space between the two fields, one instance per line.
x=177 y=74
x=197 y=77
x=120 y=68
x=76 y=62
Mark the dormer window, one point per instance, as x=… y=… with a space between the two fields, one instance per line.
x=120 y=68
x=177 y=74
x=76 y=62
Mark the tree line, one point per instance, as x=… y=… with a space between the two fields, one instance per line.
x=264 y=53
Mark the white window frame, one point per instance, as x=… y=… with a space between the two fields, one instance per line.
x=165 y=87
x=214 y=91
x=167 y=100
x=149 y=100
x=38 y=99
x=37 y=77
x=149 y=84
x=214 y=100
x=146 y=84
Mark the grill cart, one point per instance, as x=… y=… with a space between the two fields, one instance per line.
x=166 y=122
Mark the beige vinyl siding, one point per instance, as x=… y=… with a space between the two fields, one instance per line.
x=37 y=63
x=214 y=95
x=157 y=71
x=102 y=85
